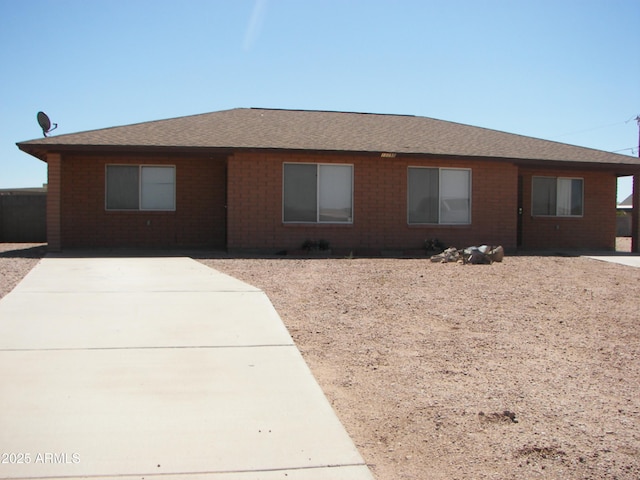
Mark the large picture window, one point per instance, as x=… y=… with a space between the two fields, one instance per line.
x=439 y=195
x=317 y=193
x=557 y=196
x=140 y=187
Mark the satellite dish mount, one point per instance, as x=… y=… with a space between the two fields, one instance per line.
x=45 y=123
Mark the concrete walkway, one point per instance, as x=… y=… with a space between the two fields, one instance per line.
x=157 y=368
x=623 y=259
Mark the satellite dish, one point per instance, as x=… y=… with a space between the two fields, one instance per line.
x=45 y=123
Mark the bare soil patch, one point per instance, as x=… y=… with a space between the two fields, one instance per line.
x=523 y=369
x=516 y=370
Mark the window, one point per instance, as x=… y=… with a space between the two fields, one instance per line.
x=439 y=195
x=557 y=196
x=140 y=187
x=317 y=193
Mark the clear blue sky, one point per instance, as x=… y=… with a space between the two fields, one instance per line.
x=565 y=70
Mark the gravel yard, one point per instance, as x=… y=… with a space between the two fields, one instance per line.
x=517 y=370
x=16 y=260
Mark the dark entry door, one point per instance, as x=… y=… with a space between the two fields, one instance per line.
x=520 y=212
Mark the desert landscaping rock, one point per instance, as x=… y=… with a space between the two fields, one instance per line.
x=525 y=369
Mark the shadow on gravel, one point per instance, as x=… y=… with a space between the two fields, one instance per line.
x=40 y=250
x=139 y=252
x=29 y=252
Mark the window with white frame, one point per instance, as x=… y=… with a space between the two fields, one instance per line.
x=439 y=195
x=557 y=196
x=317 y=193
x=140 y=187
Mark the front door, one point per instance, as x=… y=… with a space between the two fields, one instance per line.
x=520 y=212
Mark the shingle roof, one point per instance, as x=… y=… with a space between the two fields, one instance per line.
x=244 y=128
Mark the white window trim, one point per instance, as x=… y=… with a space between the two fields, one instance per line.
x=440 y=196
x=139 y=209
x=556 y=214
x=318 y=221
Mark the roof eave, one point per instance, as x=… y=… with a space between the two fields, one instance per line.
x=621 y=169
x=40 y=151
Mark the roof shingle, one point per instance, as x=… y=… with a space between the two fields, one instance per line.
x=244 y=128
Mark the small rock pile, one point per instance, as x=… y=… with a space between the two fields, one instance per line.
x=483 y=255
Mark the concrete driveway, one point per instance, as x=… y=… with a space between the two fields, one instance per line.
x=141 y=367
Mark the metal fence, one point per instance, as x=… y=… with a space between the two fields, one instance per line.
x=23 y=218
x=623 y=224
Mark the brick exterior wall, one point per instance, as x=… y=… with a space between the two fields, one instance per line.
x=53 y=216
x=596 y=229
x=199 y=219
x=245 y=212
x=380 y=205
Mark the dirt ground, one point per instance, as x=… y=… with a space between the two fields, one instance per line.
x=517 y=370
x=16 y=260
x=523 y=369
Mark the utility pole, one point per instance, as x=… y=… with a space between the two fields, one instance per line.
x=635 y=202
x=638 y=121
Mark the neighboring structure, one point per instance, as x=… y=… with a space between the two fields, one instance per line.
x=267 y=180
x=24 y=191
x=626 y=204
